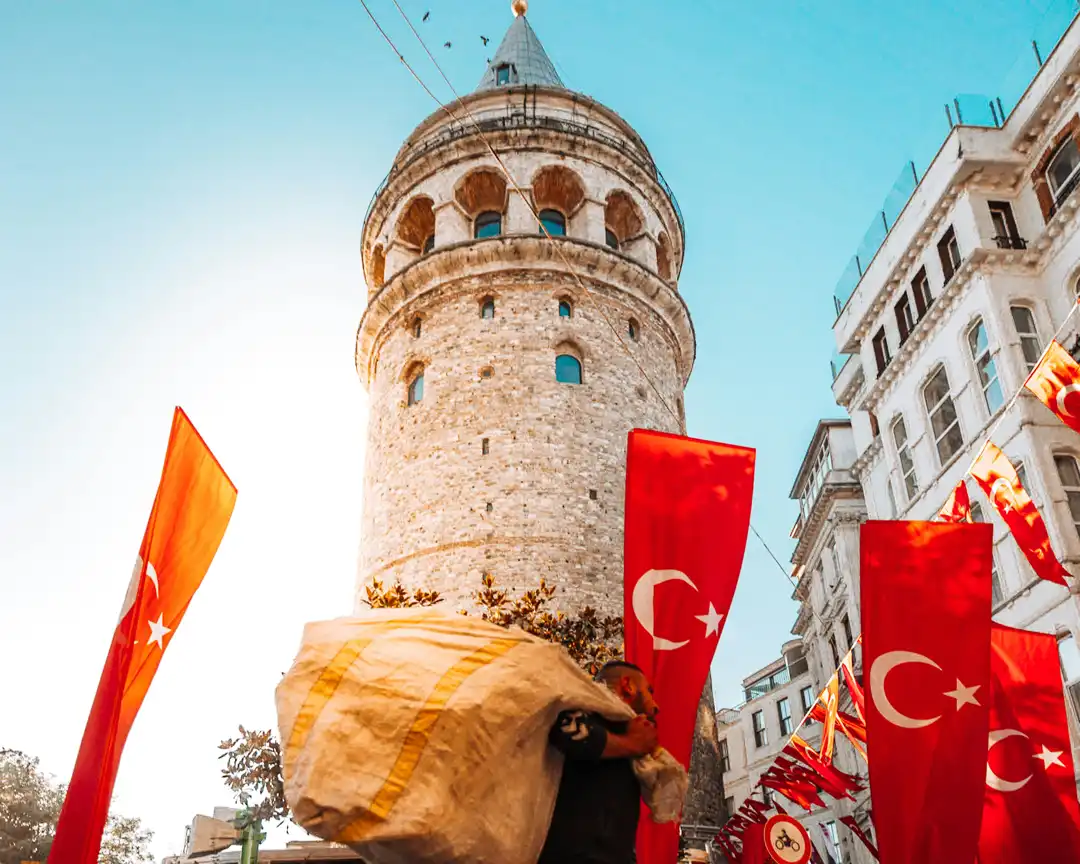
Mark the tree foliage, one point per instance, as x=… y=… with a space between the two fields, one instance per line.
x=253 y=760
x=30 y=803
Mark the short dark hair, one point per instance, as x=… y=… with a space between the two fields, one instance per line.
x=610 y=670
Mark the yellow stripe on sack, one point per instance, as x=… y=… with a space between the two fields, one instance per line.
x=324 y=688
x=416 y=738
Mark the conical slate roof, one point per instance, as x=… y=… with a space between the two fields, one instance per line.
x=527 y=60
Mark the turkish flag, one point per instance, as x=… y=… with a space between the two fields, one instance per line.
x=1054 y=381
x=687 y=518
x=753 y=844
x=191 y=510
x=926 y=637
x=957 y=507
x=1030 y=812
x=998 y=480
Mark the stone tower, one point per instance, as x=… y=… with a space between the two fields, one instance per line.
x=502 y=387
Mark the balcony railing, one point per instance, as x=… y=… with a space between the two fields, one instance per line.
x=1010 y=242
x=1064 y=192
x=506 y=122
x=969 y=111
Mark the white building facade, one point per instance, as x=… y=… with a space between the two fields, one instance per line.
x=978 y=272
x=752 y=735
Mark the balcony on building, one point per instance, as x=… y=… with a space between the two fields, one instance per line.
x=826 y=472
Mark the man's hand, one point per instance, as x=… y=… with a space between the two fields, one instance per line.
x=638 y=740
x=641 y=735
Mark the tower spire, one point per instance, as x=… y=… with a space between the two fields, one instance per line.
x=521 y=58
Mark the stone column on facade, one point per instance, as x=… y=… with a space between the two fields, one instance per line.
x=588 y=222
x=451 y=225
x=519 y=217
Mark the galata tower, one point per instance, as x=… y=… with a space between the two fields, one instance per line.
x=506 y=367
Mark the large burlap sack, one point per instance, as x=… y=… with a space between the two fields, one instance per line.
x=663 y=782
x=421 y=736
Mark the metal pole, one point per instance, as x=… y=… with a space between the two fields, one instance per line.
x=1035 y=47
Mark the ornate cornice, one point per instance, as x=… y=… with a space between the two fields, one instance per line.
x=819 y=515
x=868 y=458
x=449 y=267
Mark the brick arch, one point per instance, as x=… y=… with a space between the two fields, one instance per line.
x=481 y=190
x=622 y=216
x=556 y=187
x=663 y=257
x=417 y=222
x=378 y=266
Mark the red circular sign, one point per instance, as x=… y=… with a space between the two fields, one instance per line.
x=787 y=841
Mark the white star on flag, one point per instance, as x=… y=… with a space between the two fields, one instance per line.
x=963 y=695
x=158 y=630
x=1049 y=757
x=711 y=620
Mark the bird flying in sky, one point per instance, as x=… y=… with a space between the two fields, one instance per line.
x=484 y=39
x=426 y=16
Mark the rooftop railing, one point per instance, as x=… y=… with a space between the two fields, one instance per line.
x=966 y=110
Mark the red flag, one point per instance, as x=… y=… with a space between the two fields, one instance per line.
x=997 y=478
x=727 y=846
x=858 y=832
x=957 y=506
x=853 y=687
x=826 y=775
x=687 y=518
x=1054 y=380
x=191 y=510
x=829 y=699
x=1030 y=813
x=926 y=633
x=753 y=845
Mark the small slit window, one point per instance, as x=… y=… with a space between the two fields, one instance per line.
x=565 y=309
x=611 y=239
x=485 y=447
x=552 y=222
x=417 y=328
x=486 y=373
x=567 y=369
x=416 y=388
x=487 y=308
x=487 y=224
x=429 y=244
x=633 y=329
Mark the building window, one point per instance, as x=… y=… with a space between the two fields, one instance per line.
x=1005 y=234
x=783 y=711
x=949 y=253
x=1021 y=475
x=725 y=756
x=633 y=329
x=552 y=222
x=485 y=446
x=905 y=321
x=502 y=74
x=429 y=244
x=487 y=308
x=487 y=224
x=567 y=369
x=729 y=806
x=892 y=498
x=985 y=367
x=416 y=388
x=920 y=287
x=1030 y=344
x=832 y=840
x=948 y=439
x=761 y=737
x=881 y=350
x=565 y=309
x=997 y=589
x=1069 y=474
x=806 y=697
x=1062 y=171
x=611 y=239
x=417 y=326
x=766 y=796
x=486 y=372
x=845 y=623
x=903 y=454
x=835 y=654
x=1069 y=656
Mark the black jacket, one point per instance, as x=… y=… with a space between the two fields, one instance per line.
x=596 y=811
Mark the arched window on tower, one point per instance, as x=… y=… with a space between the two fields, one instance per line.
x=487 y=224
x=552 y=222
x=567 y=369
x=566 y=310
x=429 y=244
x=611 y=239
x=487 y=308
x=416 y=386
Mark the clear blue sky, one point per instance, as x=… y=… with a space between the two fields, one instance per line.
x=182 y=188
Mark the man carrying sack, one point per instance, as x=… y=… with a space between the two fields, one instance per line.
x=596 y=811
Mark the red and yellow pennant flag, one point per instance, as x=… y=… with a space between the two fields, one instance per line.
x=998 y=480
x=1056 y=383
x=192 y=508
x=957 y=507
